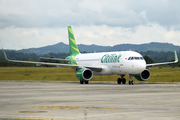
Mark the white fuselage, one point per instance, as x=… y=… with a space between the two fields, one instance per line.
x=113 y=63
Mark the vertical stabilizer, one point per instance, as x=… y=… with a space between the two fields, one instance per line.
x=72 y=43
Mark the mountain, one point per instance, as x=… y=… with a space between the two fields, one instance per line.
x=64 y=48
x=154 y=46
x=59 y=47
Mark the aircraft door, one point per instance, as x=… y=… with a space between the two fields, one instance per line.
x=121 y=63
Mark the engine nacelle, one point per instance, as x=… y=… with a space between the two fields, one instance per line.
x=143 y=76
x=84 y=74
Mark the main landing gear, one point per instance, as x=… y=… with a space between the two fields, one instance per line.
x=123 y=80
x=82 y=82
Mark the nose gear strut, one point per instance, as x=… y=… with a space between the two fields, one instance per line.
x=131 y=82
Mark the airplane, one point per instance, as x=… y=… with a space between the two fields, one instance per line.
x=86 y=65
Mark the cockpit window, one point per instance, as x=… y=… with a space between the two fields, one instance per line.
x=141 y=58
x=135 y=58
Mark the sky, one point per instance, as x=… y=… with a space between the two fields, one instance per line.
x=37 y=23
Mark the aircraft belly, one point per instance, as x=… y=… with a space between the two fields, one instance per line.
x=116 y=69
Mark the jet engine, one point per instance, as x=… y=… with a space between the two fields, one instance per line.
x=143 y=76
x=84 y=74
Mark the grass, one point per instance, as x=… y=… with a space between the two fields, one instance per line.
x=166 y=74
x=67 y=74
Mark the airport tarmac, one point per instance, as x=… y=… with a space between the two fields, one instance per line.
x=95 y=101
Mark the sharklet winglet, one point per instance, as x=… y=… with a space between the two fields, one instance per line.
x=176 y=57
x=5 y=54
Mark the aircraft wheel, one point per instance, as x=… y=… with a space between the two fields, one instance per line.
x=131 y=82
x=123 y=81
x=86 y=82
x=119 y=80
x=81 y=82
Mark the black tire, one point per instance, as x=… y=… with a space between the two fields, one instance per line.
x=123 y=81
x=132 y=82
x=86 y=82
x=81 y=82
x=119 y=80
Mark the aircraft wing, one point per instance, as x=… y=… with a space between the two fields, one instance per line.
x=155 y=64
x=94 y=68
x=55 y=59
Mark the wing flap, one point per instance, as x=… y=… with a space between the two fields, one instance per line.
x=59 y=59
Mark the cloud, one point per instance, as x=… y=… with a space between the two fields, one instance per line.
x=18 y=38
x=104 y=35
x=55 y=13
x=35 y=23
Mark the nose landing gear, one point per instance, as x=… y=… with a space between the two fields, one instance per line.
x=131 y=82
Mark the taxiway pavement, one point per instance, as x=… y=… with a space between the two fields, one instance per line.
x=95 y=101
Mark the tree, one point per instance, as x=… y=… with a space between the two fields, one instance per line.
x=148 y=59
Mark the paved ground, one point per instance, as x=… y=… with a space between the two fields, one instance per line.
x=95 y=101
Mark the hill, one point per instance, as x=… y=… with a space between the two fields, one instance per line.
x=64 y=48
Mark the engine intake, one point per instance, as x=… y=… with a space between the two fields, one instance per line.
x=143 y=76
x=84 y=74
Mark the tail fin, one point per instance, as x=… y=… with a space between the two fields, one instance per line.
x=72 y=43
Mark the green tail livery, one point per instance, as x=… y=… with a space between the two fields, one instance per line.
x=72 y=43
x=72 y=47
